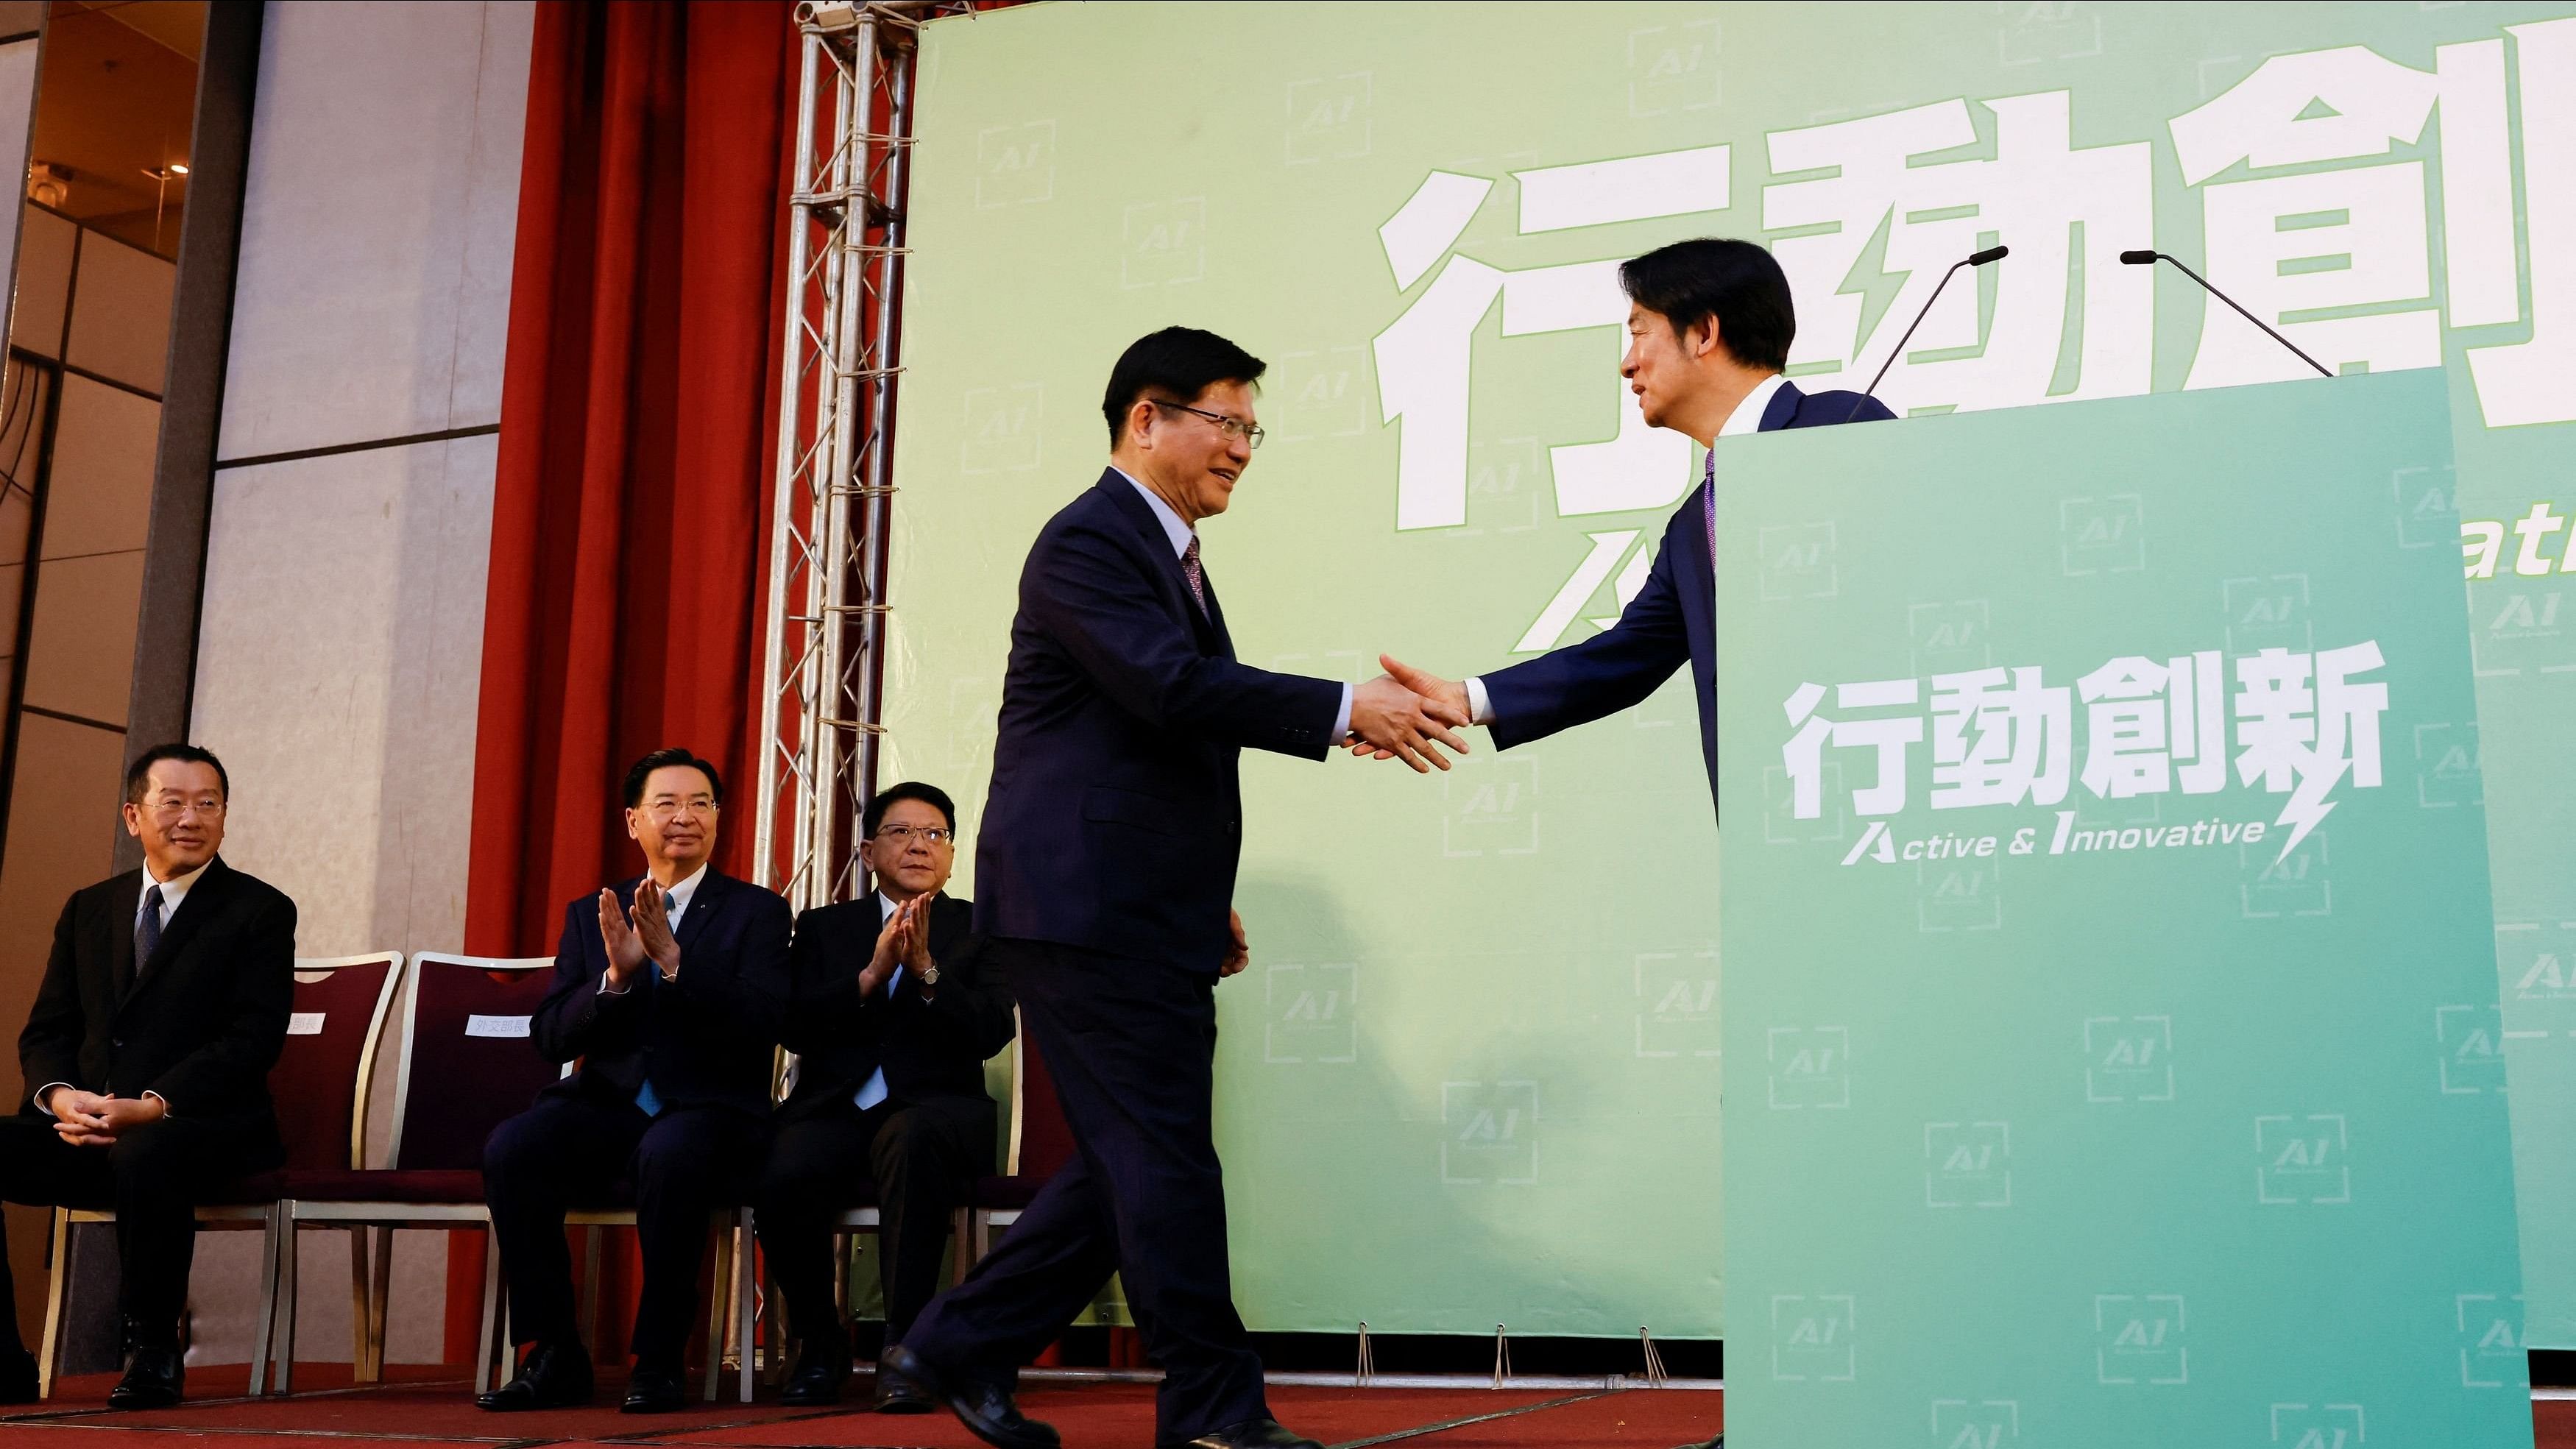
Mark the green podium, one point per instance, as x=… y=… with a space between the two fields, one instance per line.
x=2111 y=1038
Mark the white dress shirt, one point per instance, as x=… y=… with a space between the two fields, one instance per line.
x=1180 y=533
x=173 y=891
x=1747 y=418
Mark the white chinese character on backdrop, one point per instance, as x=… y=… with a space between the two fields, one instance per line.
x=1882 y=231
x=1803 y=755
x=2303 y=723
x=2147 y=723
x=1999 y=738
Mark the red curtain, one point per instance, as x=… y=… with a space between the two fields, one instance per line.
x=629 y=518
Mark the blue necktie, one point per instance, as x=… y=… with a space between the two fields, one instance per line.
x=873 y=1090
x=1708 y=501
x=147 y=929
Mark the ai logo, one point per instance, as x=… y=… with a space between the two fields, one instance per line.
x=1323 y=394
x=2427 y=516
x=1489 y=1133
x=2318 y=1426
x=2268 y=613
x=2102 y=535
x=1328 y=119
x=2446 y=766
x=2138 y=1339
x=1002 y=428
x=2301 y=1159
x=1672 y=68
x=1491 y=808
x=1780 y=822
x=2128 y=1059
x=2472 y=1042
x=1797 y=562
x=2539 y=958
x=1810 y=1066
x=2492 y=1353
x=1958 y=895
x=1811 y=1338
x=1015 y=165
x=1677 y=1004
x=1975 y=1423
x=1967 y=1164
x=1312 y=1013
x=1163 y=242
x=2292 y=883
x=1949 y=638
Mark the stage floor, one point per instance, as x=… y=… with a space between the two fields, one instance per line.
x=426 y=1412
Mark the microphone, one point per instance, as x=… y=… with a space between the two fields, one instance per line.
x=1972 y=259
x=2143 y=258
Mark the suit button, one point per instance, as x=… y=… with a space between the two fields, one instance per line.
x=118 y=1042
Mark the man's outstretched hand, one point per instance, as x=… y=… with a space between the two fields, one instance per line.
x=1442 y=699
x=1393 y=722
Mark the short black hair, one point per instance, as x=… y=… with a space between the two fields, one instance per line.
x=1177 y=363
x=886 y=799
x=138 y=776
x=1737 y=282
x=642 y=770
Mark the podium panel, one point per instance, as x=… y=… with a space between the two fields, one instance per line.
x=2110 y=997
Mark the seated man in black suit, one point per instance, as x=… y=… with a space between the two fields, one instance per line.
x=892 y=1023
x=163 y=1006
x=670 y=990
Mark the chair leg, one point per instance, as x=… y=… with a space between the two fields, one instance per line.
x=280 y=1226
x=960 y=1238
x=719 y=1290
x=746 y=1295
x=591 y=1239
x=50 y=1355
x=288 y=1260
x=483 y=1379
x=381 y=1290
x=361 y=1275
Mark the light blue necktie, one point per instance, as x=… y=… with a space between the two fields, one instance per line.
x=647 y=1101
x=875 y=1090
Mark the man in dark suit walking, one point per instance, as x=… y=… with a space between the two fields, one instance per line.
x=893 y=1019
x=1709 y=326
x=163 y=1006
x=1105 y=869
x=670 y=989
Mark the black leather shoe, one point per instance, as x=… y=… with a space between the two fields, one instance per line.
x=1252 y=1434
x=899 y=1393
x=17 y=1376
x=654 y=1391
x=822 y=1367
x=552 y=1376
x=986 y=1409
x=153 y=1378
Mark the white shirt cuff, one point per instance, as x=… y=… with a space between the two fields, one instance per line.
x=606 y=990
x=1342 y=721
x=1480 y=709
x=41 y=1091
x=164 y=1101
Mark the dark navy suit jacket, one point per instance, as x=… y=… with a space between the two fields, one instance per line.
x=706 y=1039
x=1114 y=821
x=1672 y=620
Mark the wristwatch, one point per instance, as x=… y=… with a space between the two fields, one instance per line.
x=930 y=975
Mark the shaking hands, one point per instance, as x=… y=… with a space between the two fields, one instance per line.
x=1401 y=714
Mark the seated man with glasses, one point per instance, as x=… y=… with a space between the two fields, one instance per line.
x=669 y=989
x=164 y=1004
x=892 y=1022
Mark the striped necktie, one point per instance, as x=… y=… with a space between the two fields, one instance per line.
x=147 y=929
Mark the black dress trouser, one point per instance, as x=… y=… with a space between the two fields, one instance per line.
x=1131 y=1046
x=153 y=1176
x=922 y=1155
x=684 y=1163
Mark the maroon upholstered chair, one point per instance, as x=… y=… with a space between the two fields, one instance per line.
x=1041 y=1142
x=320 y=1088
x=465 y=1035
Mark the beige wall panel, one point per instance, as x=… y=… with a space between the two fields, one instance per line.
x=120 y=313
x=80 y=654
x=44 y=281
x=98 y=497
x=337 y=671
x=378 y=224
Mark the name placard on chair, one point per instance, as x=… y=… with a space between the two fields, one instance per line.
x=496 y=1026
x=305 y=1023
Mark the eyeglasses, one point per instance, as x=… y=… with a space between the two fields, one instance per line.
x=1233 y=428
x=901 y=836
x=666 y=811
x=169 y=810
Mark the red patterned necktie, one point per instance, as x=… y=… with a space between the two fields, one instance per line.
x=1198 y=579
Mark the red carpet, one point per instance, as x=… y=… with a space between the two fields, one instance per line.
x=417 y=1415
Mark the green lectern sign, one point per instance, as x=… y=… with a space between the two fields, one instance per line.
x=2110 y=1000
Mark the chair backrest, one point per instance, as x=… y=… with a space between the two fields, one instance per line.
x=320 y=1081
x=1041 y=1140
x=465 y=1042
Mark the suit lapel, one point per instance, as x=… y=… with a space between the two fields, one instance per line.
x=1208 y=627
x=202 y=901
x=711 y=891
x=120 y=933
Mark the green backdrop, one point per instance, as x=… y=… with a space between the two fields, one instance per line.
x=1472 y=1077
x=2110 y=1008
